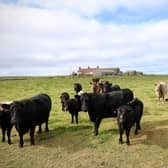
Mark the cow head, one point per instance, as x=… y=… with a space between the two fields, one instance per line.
x=122 y=113
x=77 y=87
x=64 y=100
x=107 y=87
x=4 y=108
x=84 y=98
x=16 y=109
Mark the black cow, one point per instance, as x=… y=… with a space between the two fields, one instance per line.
x=71 y=105
x=77 y=87
x=27 y=113
x=101 y=106
x=108 y=87
x=127 y=116
x=5 y=122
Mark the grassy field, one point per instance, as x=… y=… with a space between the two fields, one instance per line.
x=69 y=145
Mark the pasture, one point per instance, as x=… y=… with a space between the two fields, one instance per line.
x=70 y=145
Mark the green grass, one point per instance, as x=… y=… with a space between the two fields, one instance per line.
x=70 y=145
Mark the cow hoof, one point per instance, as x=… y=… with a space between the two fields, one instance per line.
x=32 y=142
x=20 y=145
x=9 y=142
x=3 y=139
x=120 y=142
x=136 y=132
x=96 y=134
x=128 y=143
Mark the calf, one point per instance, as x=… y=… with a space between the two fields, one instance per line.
x=127 y=116
x=71 y=105
x=5 y=122
x=27 y=113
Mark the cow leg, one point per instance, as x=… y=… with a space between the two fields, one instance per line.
x=158 y=100
x=136 y=130
x=137 y=127
x=46 y=126
x=76 y=117
x=138 y=123
x=21 y=140
x=127 y=134
x=40 y=129
x=9 y=135
x=121 y=133
x=72 y=118
x=163 y=99
x=96 y=126
x=3 y=135
x=95 y=132
x=32 y=129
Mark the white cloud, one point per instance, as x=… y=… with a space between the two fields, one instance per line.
x=40 y=41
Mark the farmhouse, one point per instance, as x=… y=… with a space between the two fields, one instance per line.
x=99 y=71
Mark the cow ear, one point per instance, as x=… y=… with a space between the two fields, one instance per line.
x=6 y=106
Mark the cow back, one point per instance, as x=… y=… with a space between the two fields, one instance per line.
x=119 y=97
x=113 y=99
x=42 y=106
x=128 y=95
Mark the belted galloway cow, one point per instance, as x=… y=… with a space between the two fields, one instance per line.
x=104 y=105
x=27 y=113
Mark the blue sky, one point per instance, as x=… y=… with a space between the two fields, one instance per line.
x=40 y=37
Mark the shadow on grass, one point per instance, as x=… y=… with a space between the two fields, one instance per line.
x=73 y=138
x=65 y=137
x=152 y=133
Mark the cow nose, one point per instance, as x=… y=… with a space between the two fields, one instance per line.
x=120 y=119
x=13 y=120
x=84 y=109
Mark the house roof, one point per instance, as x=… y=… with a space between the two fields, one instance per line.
x=87 y=70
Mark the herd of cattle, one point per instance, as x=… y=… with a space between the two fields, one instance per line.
x=104 y=101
